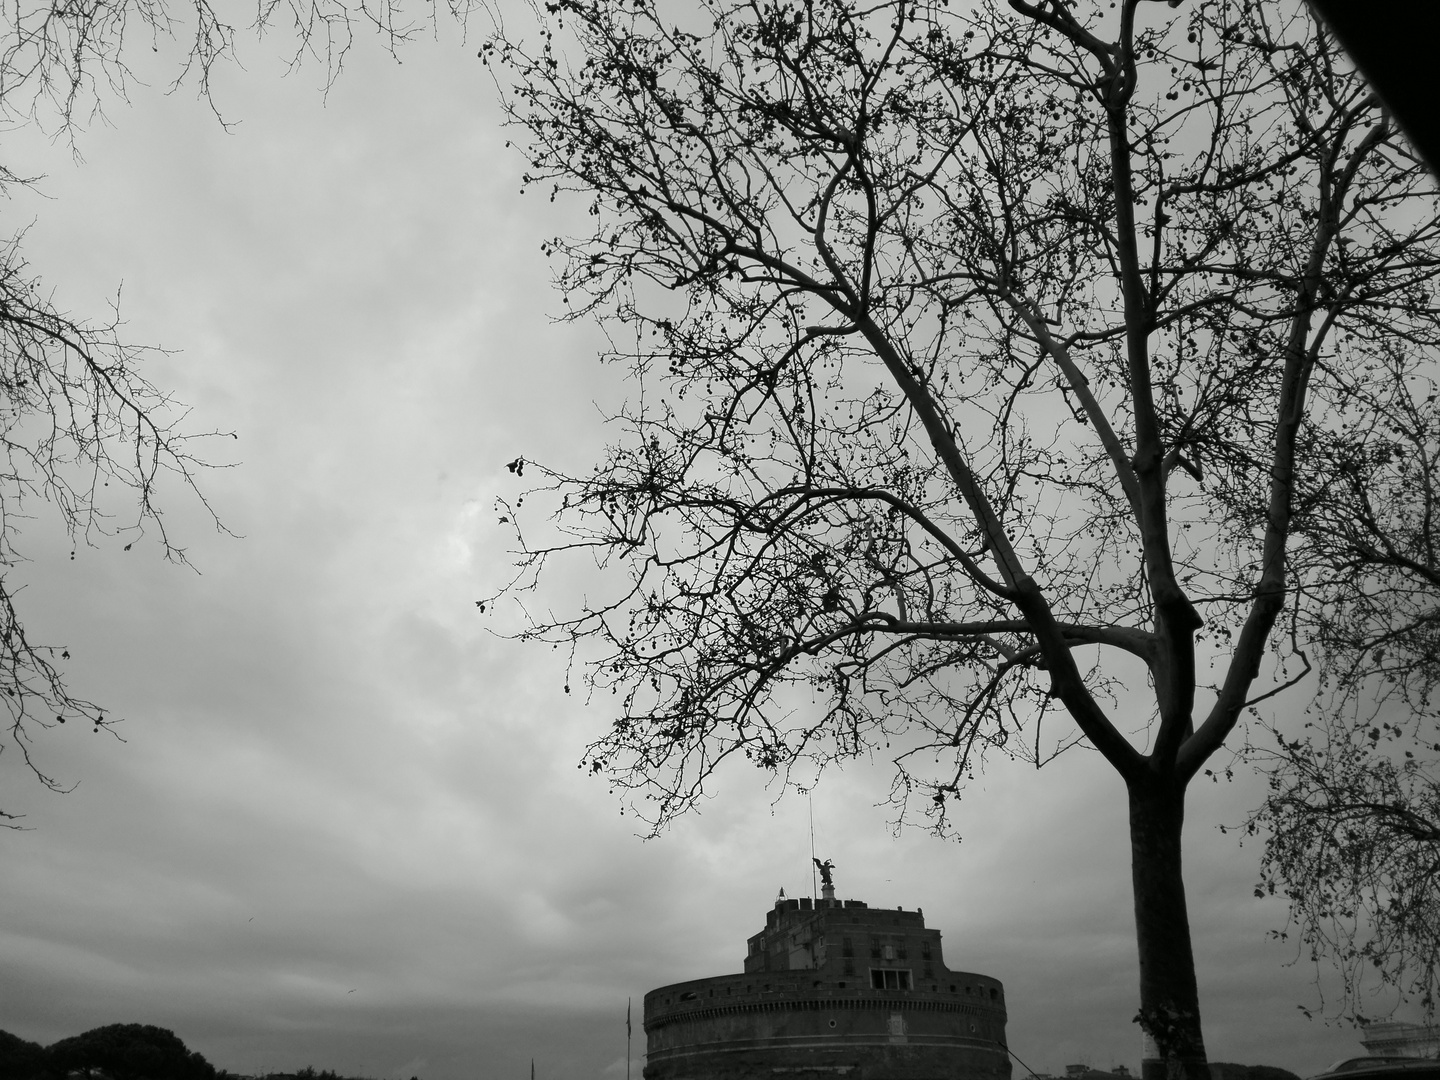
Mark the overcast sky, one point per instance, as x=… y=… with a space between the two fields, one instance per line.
x=346 y=826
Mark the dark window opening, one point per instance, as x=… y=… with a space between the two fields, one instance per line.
x=889 y=979
x=847 y=947
x=994 y=994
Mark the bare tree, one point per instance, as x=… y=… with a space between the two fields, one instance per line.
x=61 y=63
x=1352 y=841
x=982 y=359
x=1352 y=818
x=77 y=414
x=77 y=417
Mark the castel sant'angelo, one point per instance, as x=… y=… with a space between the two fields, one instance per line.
x=832 y=988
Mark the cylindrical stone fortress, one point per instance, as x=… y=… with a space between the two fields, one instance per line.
x=832 y=988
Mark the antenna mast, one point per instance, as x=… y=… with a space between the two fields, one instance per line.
x=814 y=888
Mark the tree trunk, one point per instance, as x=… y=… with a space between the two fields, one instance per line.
x=1169 y=1000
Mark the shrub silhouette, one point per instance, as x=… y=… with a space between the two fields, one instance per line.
x=127 y=1052
x=19 y=1058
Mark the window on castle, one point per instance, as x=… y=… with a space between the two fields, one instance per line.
x=847 y=947
x=889 y=979
x=925 y=950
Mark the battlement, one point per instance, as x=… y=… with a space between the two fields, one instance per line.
x=858 y=912
x=784 y=906
x=842 y=937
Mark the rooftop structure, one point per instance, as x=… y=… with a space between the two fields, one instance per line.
x=837 y=988
x=1396 y=1038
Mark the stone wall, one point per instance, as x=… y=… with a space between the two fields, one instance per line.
x=804 y=1008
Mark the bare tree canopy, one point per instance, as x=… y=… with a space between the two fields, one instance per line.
x=988 y=362
x=79 y=420
x=61 y=64
x=1352 y=840
x=1352 y=818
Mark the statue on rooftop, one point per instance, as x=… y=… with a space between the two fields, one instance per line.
x=825 y=869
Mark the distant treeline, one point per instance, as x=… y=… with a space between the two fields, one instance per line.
x=307 y=1073
x=121 y=1052
x=116 y=1051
